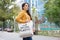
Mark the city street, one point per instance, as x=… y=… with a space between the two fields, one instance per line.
x=15 y=15
x=15 y=36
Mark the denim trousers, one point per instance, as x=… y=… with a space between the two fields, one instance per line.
x=27 y=38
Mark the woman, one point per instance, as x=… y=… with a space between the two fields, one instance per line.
x=24 y=17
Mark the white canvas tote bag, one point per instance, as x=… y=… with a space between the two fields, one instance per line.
x=26 y=29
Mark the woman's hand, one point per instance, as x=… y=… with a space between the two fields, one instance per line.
x=27 y=20
x=33 y=30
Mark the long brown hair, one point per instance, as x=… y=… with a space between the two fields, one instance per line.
x=28 y=12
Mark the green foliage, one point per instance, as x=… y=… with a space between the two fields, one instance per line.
x=5 y=13
x=1 y=23
x=52 y=11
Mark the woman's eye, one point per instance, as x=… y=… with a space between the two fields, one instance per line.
x=26 y=5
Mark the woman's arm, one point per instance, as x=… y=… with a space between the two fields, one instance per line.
x=19 y=18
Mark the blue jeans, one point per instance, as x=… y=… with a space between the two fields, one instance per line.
x=27 y=38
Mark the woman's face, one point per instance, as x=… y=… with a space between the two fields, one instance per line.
x=26 y=7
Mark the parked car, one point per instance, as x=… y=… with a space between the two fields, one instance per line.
x=0 y=29
x=8 y=30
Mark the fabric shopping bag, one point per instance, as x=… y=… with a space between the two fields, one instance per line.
x=26 y=29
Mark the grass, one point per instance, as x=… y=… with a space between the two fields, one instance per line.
x=50 y=33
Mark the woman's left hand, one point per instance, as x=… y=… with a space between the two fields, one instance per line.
x=27 y=20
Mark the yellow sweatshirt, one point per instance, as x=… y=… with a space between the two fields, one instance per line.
x=22 y=17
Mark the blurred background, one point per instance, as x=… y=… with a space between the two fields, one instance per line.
x=45 y=15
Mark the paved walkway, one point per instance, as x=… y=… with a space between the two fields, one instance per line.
x=15 y=36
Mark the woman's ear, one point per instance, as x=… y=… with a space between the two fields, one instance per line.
x=22 y=7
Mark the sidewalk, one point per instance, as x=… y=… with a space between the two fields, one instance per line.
x=15 y=36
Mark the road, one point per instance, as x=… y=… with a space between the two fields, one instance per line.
x=15 y=36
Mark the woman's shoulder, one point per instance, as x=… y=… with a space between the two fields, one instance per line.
x=22 y=11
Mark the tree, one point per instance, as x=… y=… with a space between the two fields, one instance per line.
x=36 y=20
x=52 y=11
x=4 y=4
x=5 y=12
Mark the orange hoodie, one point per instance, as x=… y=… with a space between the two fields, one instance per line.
x=22 y=17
